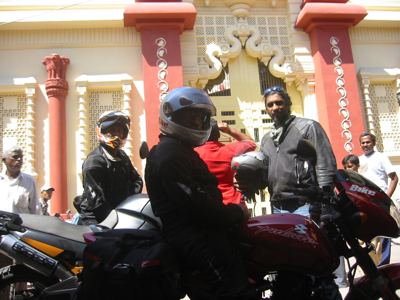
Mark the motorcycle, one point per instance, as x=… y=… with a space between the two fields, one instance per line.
x=287 y=255
x=47 y=252
x=302 y=255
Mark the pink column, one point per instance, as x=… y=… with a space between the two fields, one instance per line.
x=57 y=89
x=336 y=84
x=160 y=26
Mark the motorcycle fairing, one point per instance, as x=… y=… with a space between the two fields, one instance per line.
x=372 y=201
x=291 y=242
x=364 y=285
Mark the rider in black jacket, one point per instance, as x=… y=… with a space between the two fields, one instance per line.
x=280 y=144
x=184 y=194
x=108 y=174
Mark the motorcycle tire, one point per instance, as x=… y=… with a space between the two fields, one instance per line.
x=29 y=282
x=289 y=285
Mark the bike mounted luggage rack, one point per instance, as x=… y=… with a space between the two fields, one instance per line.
x=10 y=221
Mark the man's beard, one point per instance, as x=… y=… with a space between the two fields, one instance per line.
x=280 y=119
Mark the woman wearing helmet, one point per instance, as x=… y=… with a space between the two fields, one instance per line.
x=108 y=174
x=184 y=194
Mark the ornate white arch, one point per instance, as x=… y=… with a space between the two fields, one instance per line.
x=237 y=37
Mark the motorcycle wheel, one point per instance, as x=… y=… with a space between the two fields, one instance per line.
x=289 y=285
x=21 y=282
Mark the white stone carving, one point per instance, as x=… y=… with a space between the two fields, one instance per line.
x=162 y=67
x=239 y=36
x=341 y=90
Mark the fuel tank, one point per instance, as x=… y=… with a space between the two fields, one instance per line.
x=371 y=201
x=289 y=242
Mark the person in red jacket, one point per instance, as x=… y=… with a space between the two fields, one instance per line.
x=218 y=157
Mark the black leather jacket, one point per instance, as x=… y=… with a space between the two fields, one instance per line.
x=183 y=193
x=282 y=157
x=106 y=183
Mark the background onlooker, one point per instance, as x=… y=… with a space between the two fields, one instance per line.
x=351 y=162
x=377 y=167
x=18 y=189
x=46 y=192
x=218 y=158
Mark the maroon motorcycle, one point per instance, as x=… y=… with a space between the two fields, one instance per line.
x=302 y=255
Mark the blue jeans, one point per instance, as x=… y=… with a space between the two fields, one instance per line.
x=385 y=259
x=302 y=210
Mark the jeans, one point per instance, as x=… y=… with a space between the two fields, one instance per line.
x=302 y=210
x=385 y=259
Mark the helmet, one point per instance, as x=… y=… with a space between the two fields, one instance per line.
x=106 y=121
x=251 y=170
x=180 y=102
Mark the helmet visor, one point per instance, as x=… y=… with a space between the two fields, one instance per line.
x=193 y=118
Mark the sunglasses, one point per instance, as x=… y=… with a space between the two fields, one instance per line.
x=274 y=89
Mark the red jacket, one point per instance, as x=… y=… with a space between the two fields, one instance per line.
x=218 y=158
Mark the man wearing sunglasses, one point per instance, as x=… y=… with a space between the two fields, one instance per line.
x=18 y=189
x=108 y=174
x=280 y=145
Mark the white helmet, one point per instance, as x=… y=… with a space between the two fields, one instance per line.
x=251 y=170
x=177 y=102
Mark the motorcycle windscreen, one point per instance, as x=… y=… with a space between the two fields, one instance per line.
x=370 y=200
x=289 y=242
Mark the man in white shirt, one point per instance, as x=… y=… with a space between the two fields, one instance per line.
x=377 y=167
x=17 y=189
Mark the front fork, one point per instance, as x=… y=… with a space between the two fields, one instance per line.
x=378 y=281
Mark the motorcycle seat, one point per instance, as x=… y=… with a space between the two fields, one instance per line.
x=54 y=226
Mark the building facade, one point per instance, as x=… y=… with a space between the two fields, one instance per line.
x=63 y=63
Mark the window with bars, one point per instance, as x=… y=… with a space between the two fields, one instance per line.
x=221 y=85
x=267 y=79
x=230 y=122
x=227 y=113
x=256 y=135
x=13 y=121
x=385 y=115
x=101 y=101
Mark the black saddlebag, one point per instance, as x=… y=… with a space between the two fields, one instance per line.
x=129 y=264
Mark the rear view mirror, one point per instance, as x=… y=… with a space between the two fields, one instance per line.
x=144 y=150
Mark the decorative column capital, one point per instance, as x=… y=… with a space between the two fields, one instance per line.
x=240 y=8
x=178 y=15
x=318 y=14
x=56 y=66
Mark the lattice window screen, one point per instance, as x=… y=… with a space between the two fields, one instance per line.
x=386 y=115
x=273 y=29
x=99 y=102
x=12 y=121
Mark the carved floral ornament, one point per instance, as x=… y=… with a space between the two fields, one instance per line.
x=162 y=67
x=240 y=36
x=343 y=102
